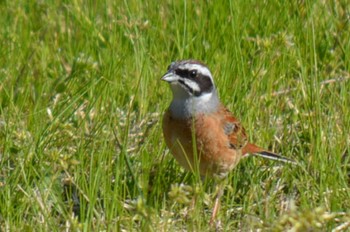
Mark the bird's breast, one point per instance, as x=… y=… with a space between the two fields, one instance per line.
x=211 y=154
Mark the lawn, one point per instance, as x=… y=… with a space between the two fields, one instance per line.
x=81 y=104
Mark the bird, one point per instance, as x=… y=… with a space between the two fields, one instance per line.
x=200 y=132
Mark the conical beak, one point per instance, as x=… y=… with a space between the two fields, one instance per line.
x=170 y=77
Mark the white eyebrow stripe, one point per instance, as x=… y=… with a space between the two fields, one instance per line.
x=200 y=68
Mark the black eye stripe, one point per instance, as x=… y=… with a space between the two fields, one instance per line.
x=193 y=73
x=183 y=72
x=205 y=85
x=204 y=82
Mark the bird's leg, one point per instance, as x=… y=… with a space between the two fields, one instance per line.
x=219 y=191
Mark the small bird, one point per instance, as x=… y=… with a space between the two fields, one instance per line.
x=199 y=130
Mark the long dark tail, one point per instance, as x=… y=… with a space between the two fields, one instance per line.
x=258 y=151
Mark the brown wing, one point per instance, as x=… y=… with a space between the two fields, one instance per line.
x=234 y=130
x=238 y=140
x=238 y=136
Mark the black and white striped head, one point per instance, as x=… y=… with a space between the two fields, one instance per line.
x=189 y=77
x=193 y=88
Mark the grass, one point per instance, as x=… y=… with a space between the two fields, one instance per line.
x=81 y=105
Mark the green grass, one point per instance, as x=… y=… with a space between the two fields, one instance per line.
x=81 y=103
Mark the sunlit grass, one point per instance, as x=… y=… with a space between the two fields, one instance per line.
x=81 y=105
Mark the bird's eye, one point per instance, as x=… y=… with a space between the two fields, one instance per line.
x=193 y=73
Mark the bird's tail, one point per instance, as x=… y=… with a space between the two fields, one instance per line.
x=258 y=151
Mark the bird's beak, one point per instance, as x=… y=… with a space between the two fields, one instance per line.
x=170 y=76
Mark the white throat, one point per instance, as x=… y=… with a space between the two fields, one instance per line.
x=185 y=105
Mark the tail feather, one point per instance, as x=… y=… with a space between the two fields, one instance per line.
x=273 y=156
x=258 y=151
